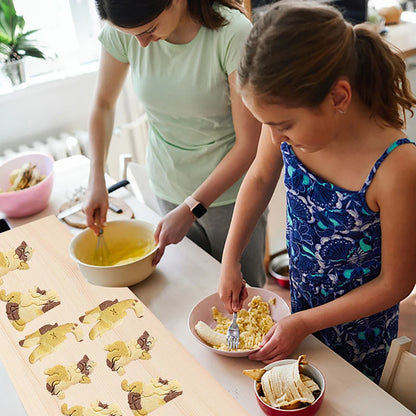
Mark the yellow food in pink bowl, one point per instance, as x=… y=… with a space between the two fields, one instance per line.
x=260 y=311
x=26 y=184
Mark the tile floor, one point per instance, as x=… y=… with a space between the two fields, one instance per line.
x=407 y=320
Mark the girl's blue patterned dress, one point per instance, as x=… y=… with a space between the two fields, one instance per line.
x=334 y=245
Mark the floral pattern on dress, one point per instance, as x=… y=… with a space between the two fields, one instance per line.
x=334 y=245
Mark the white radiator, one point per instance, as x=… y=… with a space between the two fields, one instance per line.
x=128 y=144
x=60 y=146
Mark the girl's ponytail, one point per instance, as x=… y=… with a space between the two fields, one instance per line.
x=380 y=78
x=298 y=50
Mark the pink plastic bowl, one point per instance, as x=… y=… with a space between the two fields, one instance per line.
x=31 y=200
x=310 y=410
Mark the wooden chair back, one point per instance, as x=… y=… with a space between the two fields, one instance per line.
x=139 y=181
x=399 y=374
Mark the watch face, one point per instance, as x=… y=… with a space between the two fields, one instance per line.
x=199 y=210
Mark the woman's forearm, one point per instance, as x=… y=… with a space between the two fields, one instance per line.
x=237 y=161
x=100 y=131
x=111 y=76
x=234 y=165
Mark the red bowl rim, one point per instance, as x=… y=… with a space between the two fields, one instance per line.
x=283 y=257
x=317 y=401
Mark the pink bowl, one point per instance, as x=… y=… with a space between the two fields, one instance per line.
x=31 y=200
x=310 y=410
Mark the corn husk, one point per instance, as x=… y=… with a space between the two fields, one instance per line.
x=285 y=387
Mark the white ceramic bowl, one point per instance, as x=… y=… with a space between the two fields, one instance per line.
x=31 y=200
x=310 y=410
x=116 y=234
x=202 y=311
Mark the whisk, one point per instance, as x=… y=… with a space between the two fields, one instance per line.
x=101 y=252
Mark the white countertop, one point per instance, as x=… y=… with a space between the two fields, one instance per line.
x=185 y=275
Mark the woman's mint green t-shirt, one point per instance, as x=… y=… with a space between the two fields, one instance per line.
x=185 y=92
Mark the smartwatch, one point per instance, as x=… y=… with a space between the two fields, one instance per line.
x=195 y=206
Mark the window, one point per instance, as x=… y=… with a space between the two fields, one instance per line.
x=68 y=31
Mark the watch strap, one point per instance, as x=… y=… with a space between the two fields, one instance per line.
x=196 y=207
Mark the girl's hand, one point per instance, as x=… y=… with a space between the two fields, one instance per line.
x=282 y=339
x=95 y=206
x=172 y=229
x=232 y=288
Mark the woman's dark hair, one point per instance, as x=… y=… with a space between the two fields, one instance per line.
x=298 y=50
x=133 y=13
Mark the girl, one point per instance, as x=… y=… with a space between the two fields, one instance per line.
x=183 y=56
x=332 y=99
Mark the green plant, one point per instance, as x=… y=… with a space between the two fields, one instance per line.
x=14 y=41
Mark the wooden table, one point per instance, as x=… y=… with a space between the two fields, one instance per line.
x=187 y=273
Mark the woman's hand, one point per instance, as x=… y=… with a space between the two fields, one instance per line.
x=172 y=229
x=232 y=288
x=95 y=205
x=282 y=339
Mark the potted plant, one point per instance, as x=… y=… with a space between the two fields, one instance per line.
x=15 y=43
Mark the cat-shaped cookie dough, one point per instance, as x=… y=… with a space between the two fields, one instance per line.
x=95 y=409
x=61 y=377
x=143 y=398
x=121 y=353
x=22 y=308
x=48 y=338
x=109 y=314
x=15 y=259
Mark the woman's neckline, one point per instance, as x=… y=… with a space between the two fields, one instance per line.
x=187 y=38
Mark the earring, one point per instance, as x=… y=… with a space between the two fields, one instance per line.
x=341 y=111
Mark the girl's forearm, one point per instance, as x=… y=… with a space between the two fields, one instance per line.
x=254 y=195
x=252 y=200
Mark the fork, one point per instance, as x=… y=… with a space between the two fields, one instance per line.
x=233 y=334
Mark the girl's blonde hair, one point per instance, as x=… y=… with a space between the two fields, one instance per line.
x=298 y=50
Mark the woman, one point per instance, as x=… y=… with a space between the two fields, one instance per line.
x=183 y=57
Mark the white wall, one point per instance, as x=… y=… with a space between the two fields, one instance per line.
x=35 y=112
x=411 y=123
x=276 y=226
x=38 y=111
